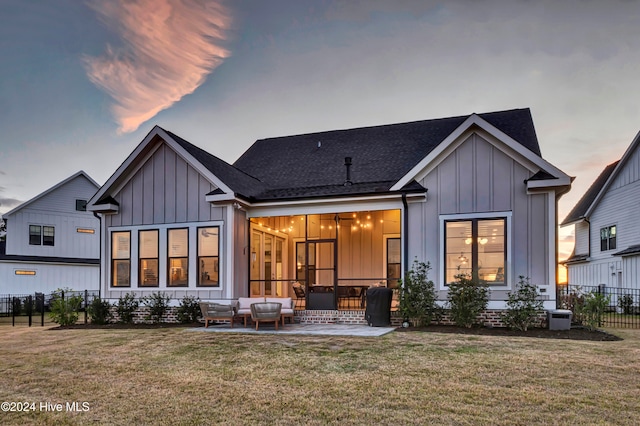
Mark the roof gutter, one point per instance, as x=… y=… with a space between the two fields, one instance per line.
x=405 y=239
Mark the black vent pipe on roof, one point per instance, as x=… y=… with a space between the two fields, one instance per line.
x=347 y=163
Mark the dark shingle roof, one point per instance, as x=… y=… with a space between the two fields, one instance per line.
x=240 y=182
x=580 y=209
x=635 y=249
x=313 y=164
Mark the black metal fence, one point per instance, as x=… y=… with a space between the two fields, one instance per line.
x=34 y=307
x=622 y=304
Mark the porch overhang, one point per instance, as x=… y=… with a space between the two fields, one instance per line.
x=331 y=205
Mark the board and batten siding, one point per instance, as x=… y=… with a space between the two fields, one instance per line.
x=58 y=209
x=479 y=178
x=166 y=189
x=48 y=277
x=167 y=192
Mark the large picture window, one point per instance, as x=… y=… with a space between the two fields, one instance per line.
x=208 y=257
x=476 y=247
x=121 y=259
x=608 y=238
x=148 y=258
x=178 y=256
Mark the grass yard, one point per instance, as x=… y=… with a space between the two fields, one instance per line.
x=173 y=376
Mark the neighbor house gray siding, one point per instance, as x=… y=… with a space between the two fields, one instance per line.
x=618 y=206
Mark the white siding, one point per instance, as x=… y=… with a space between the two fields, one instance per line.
x=48 y=278
x=582 y=238
x=57 y=208
x=619 y=206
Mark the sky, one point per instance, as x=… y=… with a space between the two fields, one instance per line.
x=83 y=82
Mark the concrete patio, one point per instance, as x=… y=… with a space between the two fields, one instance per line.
x=302 y=329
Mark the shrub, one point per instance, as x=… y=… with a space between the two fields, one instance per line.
x=595 y=304
x=523 y=306
x=189 y=310
x=126 y=306
x=625 y=303
x=65 y=308
x=100 y=311
x=467 y=299
x=158 y=304
x=417 y=296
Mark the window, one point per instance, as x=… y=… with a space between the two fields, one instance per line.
x=41 y=235
x=81 y=205
x=393 y=262
x=178 y=253
x=35 y=235
x=148 y=258
x=121 y=259
x=476 y=247
x=608 y=238
x=48 y=234
x=208 y=260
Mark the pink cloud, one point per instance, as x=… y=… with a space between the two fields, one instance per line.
x=169 y=48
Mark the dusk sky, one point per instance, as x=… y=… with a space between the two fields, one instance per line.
x=82 y=83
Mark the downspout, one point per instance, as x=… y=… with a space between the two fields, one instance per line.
x=405 y=237
x=95 y=214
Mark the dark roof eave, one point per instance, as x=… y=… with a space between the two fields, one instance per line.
x=631 y=250
x=48 y=259
x=338 y=196
x=576 y=259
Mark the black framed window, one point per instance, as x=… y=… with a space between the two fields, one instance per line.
x=478 y=248
x=48 y=235
x=81 y=205
x=393 y=262
x=35 y=235
x=178 y=257
x=608 y=238
x=148 y=258
x=41 y=235
x=208 y=256
x=121 y=259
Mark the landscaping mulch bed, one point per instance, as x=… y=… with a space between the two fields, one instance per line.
x=575 y=333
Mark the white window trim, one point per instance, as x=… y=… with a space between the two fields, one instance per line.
x=163 y=259
x=507 y=215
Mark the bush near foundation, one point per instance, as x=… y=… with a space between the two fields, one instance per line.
x=467 y=298
x=524 y=306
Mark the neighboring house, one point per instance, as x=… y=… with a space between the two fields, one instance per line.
x=343 y=208
x=607 y=230
x=52 y=241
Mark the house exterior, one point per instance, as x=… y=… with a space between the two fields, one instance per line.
x=334 y=211
x=607 y=231
x=52 y=241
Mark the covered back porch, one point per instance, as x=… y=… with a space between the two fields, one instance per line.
x=325 y=261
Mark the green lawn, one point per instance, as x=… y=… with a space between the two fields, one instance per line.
x=173 y=376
